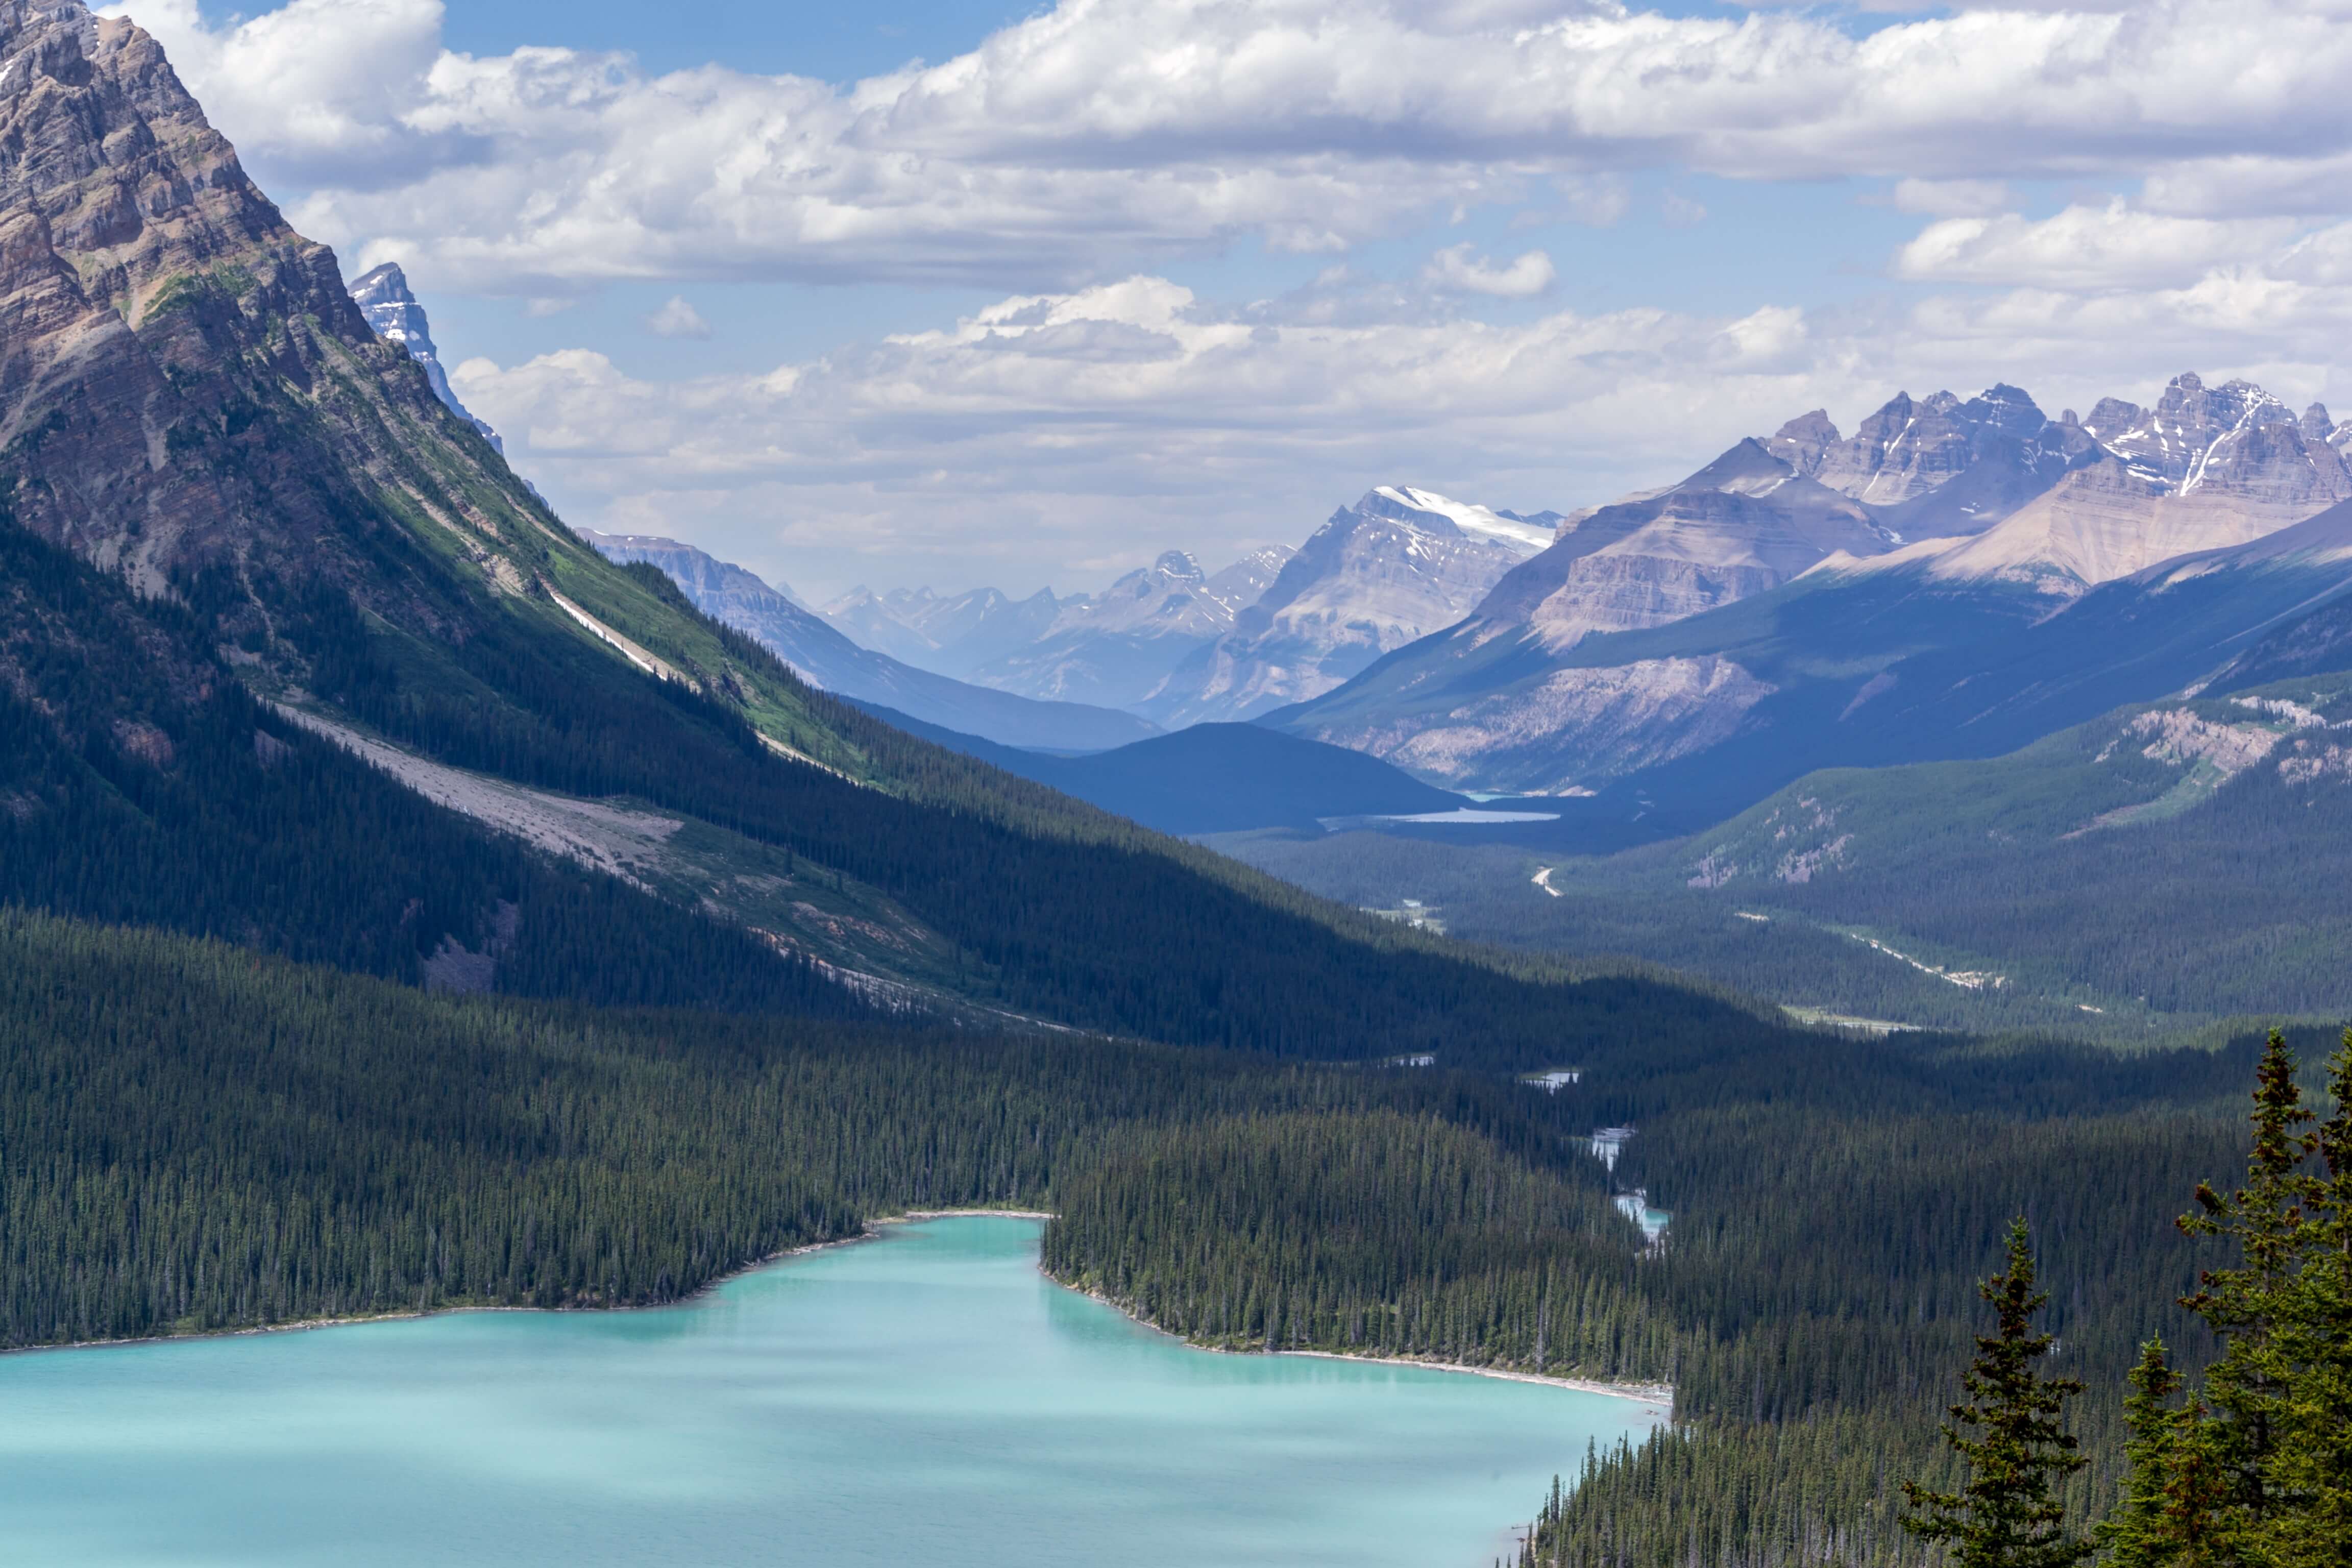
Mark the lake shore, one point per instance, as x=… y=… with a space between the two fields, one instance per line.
x=1658 y=1395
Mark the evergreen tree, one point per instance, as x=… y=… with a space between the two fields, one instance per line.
x=2248 y=1387
x=2016 y=1447
x=2166 y=1514
x=2258 y=1469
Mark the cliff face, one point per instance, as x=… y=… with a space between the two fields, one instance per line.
x=186 y=390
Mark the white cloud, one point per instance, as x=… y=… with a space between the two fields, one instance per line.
x=1109 y=422
x=1458 y=269
x=1105 y=130
x=2114 y=246
x=676 y=319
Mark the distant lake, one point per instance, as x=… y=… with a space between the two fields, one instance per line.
x=927 y=1398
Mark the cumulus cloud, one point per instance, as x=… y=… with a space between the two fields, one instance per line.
x=1102 y=131
x=1111 y=422
x=1459 y=270
x=2113 y=246
x=676 y=319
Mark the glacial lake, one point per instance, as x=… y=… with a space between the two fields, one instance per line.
x=927 y=1397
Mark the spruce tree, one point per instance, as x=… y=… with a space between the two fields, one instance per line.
x=2165 y=1516
x=2258 y=1468
x=2007 y=1513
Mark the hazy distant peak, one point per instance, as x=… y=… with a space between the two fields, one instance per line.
x=384 y=297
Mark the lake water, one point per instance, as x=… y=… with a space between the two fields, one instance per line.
x=924 y=1398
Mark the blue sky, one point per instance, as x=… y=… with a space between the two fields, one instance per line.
x=964 y=293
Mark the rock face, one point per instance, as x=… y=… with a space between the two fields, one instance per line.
x=383 y=298
x=185 y=388
x=824 y=656
x=1397 y=565
x=2205 y=470
x=1745 y=523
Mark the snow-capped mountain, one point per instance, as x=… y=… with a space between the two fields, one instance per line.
x=2207 y=469
x=384 y=297
x=1697 y=628
x=1397 y=565
x=826 y=657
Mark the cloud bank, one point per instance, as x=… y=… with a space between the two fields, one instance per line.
x=1100 y=411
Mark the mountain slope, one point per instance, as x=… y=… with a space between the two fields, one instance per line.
x=824 y=656
x=194 y=410
x=1213 y=778
x=2161 y=867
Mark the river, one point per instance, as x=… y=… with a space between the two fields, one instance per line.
x=927 y=1398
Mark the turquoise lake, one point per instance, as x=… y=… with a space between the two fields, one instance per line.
x=927 y=1398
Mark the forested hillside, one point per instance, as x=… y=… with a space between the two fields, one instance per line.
x=2165 y=866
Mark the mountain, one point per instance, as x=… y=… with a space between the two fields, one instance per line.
x=1113 y=648
x=1399 y=564
x=383 y=298
x=1212 y=778
x=1948 y=645
x=952 y=636
x=825 y=658
x=290 y=658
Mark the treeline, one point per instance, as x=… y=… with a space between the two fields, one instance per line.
x=1833 y=1204
x=1369 y=1233
x=192 y=1136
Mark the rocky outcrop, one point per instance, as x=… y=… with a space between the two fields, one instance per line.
x=1745 y=523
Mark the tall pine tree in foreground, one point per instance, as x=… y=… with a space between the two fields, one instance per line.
x=2007 y=1513
x=2256 y=1468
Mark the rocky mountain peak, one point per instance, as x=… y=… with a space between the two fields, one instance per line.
x=2234 y=437
x=1907 y=449
x=384 y=298
x=1442 y=515
x=1802 y=441
x=166 y=328
x=1180 y=566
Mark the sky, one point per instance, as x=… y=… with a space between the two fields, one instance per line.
x=960 y=294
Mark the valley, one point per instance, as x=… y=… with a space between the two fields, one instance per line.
x=1664 y=944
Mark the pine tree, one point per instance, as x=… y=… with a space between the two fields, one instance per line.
x=2007 y=1514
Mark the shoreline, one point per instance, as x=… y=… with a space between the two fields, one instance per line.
x=1658 y=1396
x=305 y=1325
